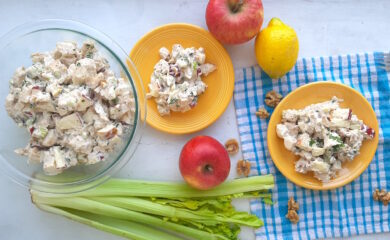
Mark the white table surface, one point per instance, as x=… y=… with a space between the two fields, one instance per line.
x=324 y=28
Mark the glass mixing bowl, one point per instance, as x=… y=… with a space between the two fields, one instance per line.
x=40 y=36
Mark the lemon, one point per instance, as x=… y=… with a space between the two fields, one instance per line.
x=276 y=48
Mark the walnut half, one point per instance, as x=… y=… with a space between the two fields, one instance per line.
x=262 y=113
x=293 y=207
x=292 y=204
x=292 y=216
x=382 y=196
x=243 y=168
x=231 y=146
x=272 y=98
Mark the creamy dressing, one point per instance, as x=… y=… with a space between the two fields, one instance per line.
x=72 y=104
x=324 y=136
x=176 y=80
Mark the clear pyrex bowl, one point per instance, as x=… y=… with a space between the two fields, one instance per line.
x=15 y=49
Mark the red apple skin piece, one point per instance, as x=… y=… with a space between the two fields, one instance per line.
x=204 y=163
x=234 y=21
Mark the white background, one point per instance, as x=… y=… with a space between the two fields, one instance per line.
x=324 y=28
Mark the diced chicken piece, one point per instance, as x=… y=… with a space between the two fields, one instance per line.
x=303 y=142
x=9 y=102
x=79 y=143
x=319 y=166
x=45 y=107
x=117 y=111
x=57 y=70
x=72 y=121
x=34 y=155
x=34 y=71
x=207 y=68
x=53 y=161
x=24 y=95
x=162 y=66
x=66 y=52
x=290 y=115
x=37 y=96
x=95 y=81
x=316 y=151
x=107 y=91
x=339 y=123
x=164 y=53
x=176 y=49
x=90 y=115
x=290 y=142
x=88 y=49
x=200 y=56
x=96 y=156
x=67 y=102
x=38 y=57
x=83 y=71
x=18 y=77
x=182 y=63
x=282 y=130
x=123 y=88
x=341 y=113
x=83 y=103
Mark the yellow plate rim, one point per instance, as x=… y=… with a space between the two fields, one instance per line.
x=355 y=174
x=228 y=97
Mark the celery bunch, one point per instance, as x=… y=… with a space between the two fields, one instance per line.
x=158 y=210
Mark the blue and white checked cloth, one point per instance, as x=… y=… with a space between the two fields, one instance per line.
x=346 y=211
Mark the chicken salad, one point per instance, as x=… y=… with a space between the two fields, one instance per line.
x=176 y=82
x=72 y=104
x=324 y=136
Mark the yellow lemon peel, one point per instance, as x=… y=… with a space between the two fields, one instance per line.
x=276 y=48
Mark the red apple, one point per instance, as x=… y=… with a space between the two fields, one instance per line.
x=204 y=162
x=234 y=21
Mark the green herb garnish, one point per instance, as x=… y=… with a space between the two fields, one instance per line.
x=172 y=101
x=336 y=138
x=337 y=148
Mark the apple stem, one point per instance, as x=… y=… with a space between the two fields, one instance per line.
x=208 y=168
x=236 y=6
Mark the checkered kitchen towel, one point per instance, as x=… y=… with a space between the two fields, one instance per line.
x=346 y=211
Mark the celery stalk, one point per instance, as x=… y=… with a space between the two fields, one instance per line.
x=175 y=207
x=121 y=228
x=91 y=206
x=202 y=215
x=137 y=188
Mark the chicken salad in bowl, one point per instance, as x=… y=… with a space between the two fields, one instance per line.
x=72 y=109
x=72 y=104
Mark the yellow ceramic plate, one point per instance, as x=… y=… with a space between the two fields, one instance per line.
x=315 y=93
x=220 y=82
